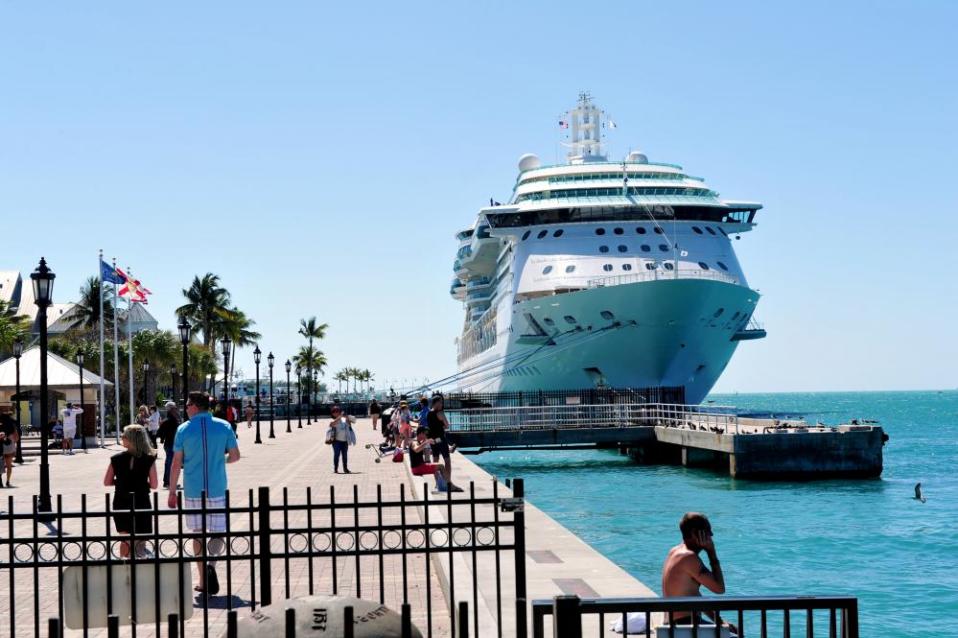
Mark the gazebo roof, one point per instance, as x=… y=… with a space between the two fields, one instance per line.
x=60 y=372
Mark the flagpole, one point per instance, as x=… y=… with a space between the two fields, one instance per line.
x=129 y=337
x=99 y=269
x=116 y=355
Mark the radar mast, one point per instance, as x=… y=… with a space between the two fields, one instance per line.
x=585 y=132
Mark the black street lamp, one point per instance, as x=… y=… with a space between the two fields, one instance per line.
x=315 y=387
x=82 y=420
x=289 y=367
x=269 y=361
x=173 y=382
x=184 y=328
x=17 y=353
x=42 y=279
x=299 y=396
x=226 y=343
x=257 y=356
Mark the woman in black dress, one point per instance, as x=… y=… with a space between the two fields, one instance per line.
x=133 y=474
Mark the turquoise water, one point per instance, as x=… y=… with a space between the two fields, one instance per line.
x=867 y=538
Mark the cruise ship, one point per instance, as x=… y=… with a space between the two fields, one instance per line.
x=603 y=274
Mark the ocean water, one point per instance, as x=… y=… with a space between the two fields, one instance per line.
x=867 y=538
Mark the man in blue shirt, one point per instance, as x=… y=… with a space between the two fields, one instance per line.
x=202 y=448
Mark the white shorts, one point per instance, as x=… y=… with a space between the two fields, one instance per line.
x=215 y=521
x=70 y=433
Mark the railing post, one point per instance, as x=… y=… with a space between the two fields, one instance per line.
x=265 y=552
x=519 y=530
x=852 y=618
x=566 y=617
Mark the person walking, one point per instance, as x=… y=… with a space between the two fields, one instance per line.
x=167 y=434
x=374 y=411
x=340 y=435
x=250 y=413
x=68 y=416
x=202 y=448
x=436 y=425
x=153 y=426
x=132 y=473
x=8 y=443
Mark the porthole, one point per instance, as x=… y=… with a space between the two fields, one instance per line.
x=710 y=230
x=599 y=231
x=558 y=233
x=569 y=319
x=570 y=268
x=617 y=231
x=668 y=265
x=622 y=248
x=640 y=230
x=525 y=235
x=608 y=316
x=650 y=265
x=703 y=265
x=646 y=248
x=658 y=231
x=607 y=267
x=548 y=322
x=603 y=249
x=722 y=266
x=626 y=267
x=542 y=233
x=718 y=313
x=698 y=231
x=664 y=248
x=547 y=270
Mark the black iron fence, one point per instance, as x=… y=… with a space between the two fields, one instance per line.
x=585 y=396
x=695 y=617
x=421 y=556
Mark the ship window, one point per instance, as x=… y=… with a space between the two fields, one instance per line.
x=718 y=313
x=709 y=228
x=658 y=231
x=668 y=265
x=608 y=316
x=664 y=248
x=548 y=322
x=626 y=266
x=603 y=249
x=640 y=230
x=569 y=319
x=542 y=233
x=607 y=267
x=558 y=233
x=570 y=268
x=599 y=231
x=722 y=266
x=617 y=231
x=651 y=265
x=622 y=248
x=525 y=235
x=547 y=270
x=698 y=231
x=703 y=265
x=722 y=230
x=646 y=248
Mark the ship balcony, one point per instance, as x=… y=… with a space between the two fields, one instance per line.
x=478 y=296
x=475 y=284
x=754 y=330
x=659 y=274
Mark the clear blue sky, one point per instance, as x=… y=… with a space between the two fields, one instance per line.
x=320 y=156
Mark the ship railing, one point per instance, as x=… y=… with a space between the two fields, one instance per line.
x=658 y=274
x=715 y=419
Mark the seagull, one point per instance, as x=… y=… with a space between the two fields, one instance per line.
x=918 y=495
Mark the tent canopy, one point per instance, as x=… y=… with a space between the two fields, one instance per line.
x=60 y=372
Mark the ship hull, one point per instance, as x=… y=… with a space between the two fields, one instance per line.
x=665 y=333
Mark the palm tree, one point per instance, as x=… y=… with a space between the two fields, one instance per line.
x=12 y=326
x=86 y=312
x=368 y=377
x=208 y=304
x=310 y=358
x=235 y=325
x=311 y=329
x=341 y=376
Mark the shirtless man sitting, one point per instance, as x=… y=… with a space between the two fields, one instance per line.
x=684 y=572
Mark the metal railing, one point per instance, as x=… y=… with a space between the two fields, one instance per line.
x=73 y=566
x=839 y=614
x=660 y=274
x=716 y=419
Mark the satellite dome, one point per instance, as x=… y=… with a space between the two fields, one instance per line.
x=637 y=157
x=528 y=162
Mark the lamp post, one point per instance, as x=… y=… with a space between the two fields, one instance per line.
x=17 y=353
x=289 y=367
x=299 y=396
x=269 y=361
x=146 y=382
x=226 y=343
x=184 y=328
x=173 y=382
x=42 y=279
x=82 y=424
x=257 y=355
x=315 y=385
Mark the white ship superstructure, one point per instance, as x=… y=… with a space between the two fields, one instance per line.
x=602 y=274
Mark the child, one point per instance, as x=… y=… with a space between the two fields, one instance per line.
x=133 y=474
